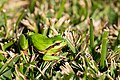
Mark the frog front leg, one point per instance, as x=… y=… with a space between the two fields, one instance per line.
x=47 y=57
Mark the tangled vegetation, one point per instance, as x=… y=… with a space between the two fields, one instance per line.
x=90 y=30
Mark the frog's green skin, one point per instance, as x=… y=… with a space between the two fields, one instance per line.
x=47 y=45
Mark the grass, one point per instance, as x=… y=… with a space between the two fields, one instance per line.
x=104 y=50
x=91 y=37
x=91 y=29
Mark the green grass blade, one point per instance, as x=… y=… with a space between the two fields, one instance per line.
x=32 y=5
x=19 y=19
x=5 y=46
x=70 y=45
x=23 y=42
x=5 y=26
x=117 y=41
x=104 y=49
x=92 y=39
x=9 y=63
x=61 y=9
x=5 y=18
x=7 y=74
x=2 y=2
x=91 y=35
x=85 y=11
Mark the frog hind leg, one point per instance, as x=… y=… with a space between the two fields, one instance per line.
x=50 y=57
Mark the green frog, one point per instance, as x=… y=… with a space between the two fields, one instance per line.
x=48 y=46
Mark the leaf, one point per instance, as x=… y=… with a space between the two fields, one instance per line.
x=23 y=42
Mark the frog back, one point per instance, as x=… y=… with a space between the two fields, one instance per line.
x=40 y=41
